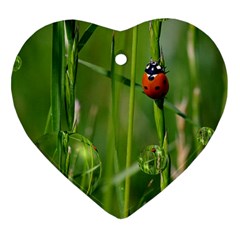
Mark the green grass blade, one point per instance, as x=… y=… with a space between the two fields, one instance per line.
x=48 y=127
x=159 y=119
x=108 y=73
x=130 y=120
x=173 y=108
x=72 y=29
x=58 y=56
x=87 y=34
x=69 y=26
x=166 y=173
x=111 y=143
x=155 y=32
x=120 y=176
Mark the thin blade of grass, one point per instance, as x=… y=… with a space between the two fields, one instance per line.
x=58 y=57
x=158 y=111
x=111 y=137
x=120 y=176
x=87 y=34
x=72 y=29
x=108 y=73
x=130 y=121
x=173 y=108
x=69 y=25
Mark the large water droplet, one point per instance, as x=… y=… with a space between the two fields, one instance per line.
x=152 y=160
x=204 y=134
x=79 y=159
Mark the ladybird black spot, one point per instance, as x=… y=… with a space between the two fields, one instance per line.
x=157 y=87
x=164 y=82
x=145 y=87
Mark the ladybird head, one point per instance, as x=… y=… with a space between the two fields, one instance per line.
x=153 y=68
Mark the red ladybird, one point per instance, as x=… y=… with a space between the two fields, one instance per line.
x=154 y=82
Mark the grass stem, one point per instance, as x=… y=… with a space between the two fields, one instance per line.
x=130 y=121
x=191 y=50
x=158 y=105
x=72 y=28
x=111 y=141
x=159 y=119
x=58 y=56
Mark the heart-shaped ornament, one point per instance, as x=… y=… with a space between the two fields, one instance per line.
x=120 y=114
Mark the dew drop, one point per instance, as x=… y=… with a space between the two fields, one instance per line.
x=17 y=64
x=152 y=160
x=83 y=162
x=204 y=134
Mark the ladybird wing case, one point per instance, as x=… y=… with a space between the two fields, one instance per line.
x=120 y=131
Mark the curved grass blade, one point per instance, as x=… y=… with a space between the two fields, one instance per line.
x=130 y=121
x=87 y=34
x=173 y=108
x=107 y=73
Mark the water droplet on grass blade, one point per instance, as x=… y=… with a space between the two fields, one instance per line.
x=77 y=158
x=204 y=134
x=152 y=160
x=85 y=164
x=17 y=64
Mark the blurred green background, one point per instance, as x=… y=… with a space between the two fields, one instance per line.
x=31 y=95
